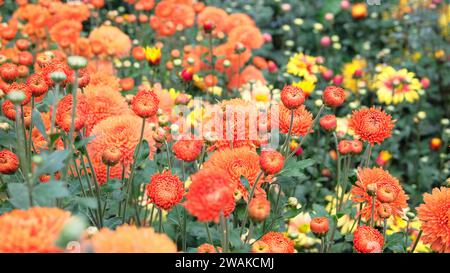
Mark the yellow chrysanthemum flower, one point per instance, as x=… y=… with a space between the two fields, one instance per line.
x=350 y=81
x=306 y=86
x=304 y=66
x=395 y=86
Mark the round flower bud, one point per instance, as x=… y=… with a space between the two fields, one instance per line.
x=319 y=226
x=328 y=122
x=9 y=162
x=111 y=156
x=58 y=76
x=333 y=96
x=271 y=161
x=16 y=97
x=77 y=62
x=292 y=97
x=259 y=209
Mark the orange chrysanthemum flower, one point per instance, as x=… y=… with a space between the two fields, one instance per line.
x=131 y=239
x=64 y=112
x=249 y=36
x=121 y=133
x=372 y=125
x=187 y=148
x=9 y=162
x=103 y=102
x=388 y=190
x=209 y=195
x=215 y=16
x=238 y=19
x=302 y=120
x=237 y=162
x=56 y=65
x=271 y=161
x=237 y=61
x=434 y=215
x=249 y=73
x=114 y=40
x=333 y=96
x=259 y=209
x=165 y=190
x=368 y=240
x=101 y=78
x=9 y=110
x=32 y=230
x=66 y=32
x=37 y=85
x=145 y=103
x=208 y=248
x=278 y=243
x=292 y=97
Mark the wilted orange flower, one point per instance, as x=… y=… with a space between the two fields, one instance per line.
x=209 y=195
x=372 y=125
x=131 y=239
x=368 y=240
x=278 y=243
x=33 y=230
x=388 y=190
x=237 y=162
x=187 y=148
x=165 y=190
x=114 y=40
x=103 y=102
x=302 y=120
x=249 y=36
x=434 y=215
x=213 y=15
x=9 y=162
x=64 y=112
x=122 y=133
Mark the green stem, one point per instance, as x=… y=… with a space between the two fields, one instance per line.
x=252 y=191
x=169 y=163
x=416 y=242
x=53 y=114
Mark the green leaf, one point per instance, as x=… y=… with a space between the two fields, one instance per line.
x=83 y=142
x=37 y=121
x=45 y=194
x=19 y=196
x=87 y=202
x=52 y=162
x=244 y=181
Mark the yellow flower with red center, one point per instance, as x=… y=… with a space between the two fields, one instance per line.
x=304 y=66
x=153 y=55
x=353 y=73
x=395 y=86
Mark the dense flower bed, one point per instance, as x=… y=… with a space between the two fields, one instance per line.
x=279 y=126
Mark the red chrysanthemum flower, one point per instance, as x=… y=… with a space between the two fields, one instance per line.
x=64 y=112
x=208 y=248
x=434 y=215
x=292 y=97
x=372 y=125
x=302 y=120
x=271 y=161
x=209 y=195
x=187 y=148
x=368 y=240
x=145 y=103
x=9 y=162
x=333 y=96
x=386 y=187
x=131 y=239
x=328 y=122
x=165 y=190
x=345 y=146
x=9 y=72
x=9 y=110
x=319 y=225
x=357 y=146
x=56 y=65
x=37 y=85
x=33 y=230
x=278 y=243
x=259 y=209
